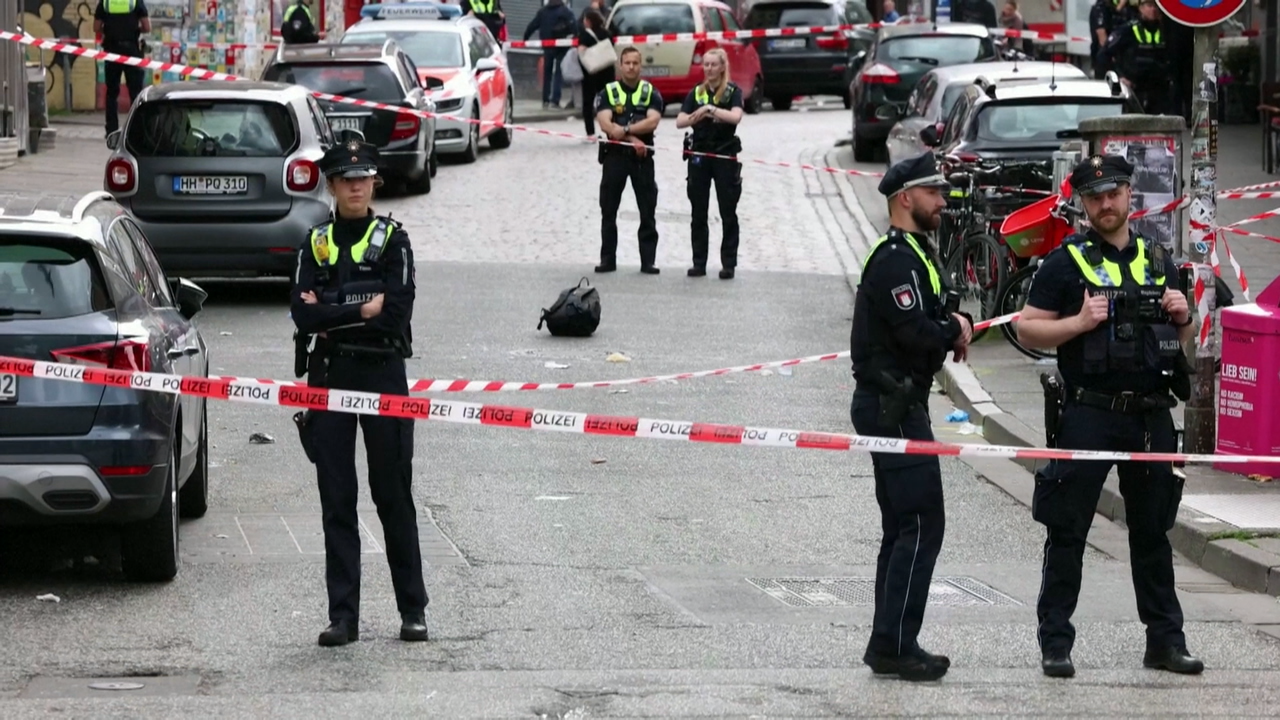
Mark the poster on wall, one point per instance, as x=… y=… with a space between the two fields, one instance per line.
x=1155 y=182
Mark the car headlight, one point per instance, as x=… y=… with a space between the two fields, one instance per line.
x=448 y=105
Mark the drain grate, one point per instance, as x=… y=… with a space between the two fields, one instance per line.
x=850 y=591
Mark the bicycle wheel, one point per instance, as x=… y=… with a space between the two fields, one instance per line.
x=1013 y=295
x=976 y=271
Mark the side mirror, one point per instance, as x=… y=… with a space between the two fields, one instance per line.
x=929 y=135
x=888 y=112
x=432 y=83
x=190 y=297
x=484 y=65
x=113 y=139
x=857 y=59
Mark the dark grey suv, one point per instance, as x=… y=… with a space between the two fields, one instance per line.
x=80 y=286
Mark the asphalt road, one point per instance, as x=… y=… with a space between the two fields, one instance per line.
x=576 y=576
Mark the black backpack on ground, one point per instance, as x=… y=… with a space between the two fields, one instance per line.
x=576 y=313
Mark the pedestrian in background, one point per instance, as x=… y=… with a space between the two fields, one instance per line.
x=552 y=22
x=1011 y=19
x=890 y=12
x=903 y=329
x=298 y=25
x=121 y=23
x=593 y=33
x=713 y=109
x=628 y=110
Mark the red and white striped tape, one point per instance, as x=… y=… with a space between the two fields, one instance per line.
x=1252 y=219
x=1251 y=188
x=176 y=43
x=1166 y=208
x=1238 y=195
x=461 y=385
x=211 y=75
x=402 y=406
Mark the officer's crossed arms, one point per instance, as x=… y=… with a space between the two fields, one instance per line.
x=629 y=74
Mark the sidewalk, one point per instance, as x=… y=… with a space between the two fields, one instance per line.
x=1227 y=522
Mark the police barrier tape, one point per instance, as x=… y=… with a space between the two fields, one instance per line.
x=1240 y=195
x=462 y=385
x=1251 y=188
x=403 y=406
x=203 y=74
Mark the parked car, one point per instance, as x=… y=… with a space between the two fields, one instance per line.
x=381 y=72
x=936 y=93
x=675 y=68
x=80 y=286
x=221 y=175
x=900 y=55
x=463 y=66
x=809 y=64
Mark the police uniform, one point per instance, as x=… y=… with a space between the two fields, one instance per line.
x=346 y=262
x=717 y=138
x=122 y=35
x=628 y=105
x=487 y=12
x=1107 y=16
x=298 y=25
x=1116 y=380
x=901 y=335
x=1137 y=50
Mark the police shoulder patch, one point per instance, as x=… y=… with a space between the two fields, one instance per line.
x=904 y=296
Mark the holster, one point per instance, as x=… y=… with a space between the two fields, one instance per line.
x=1055 y=397
x=897 y=399
x=304 y=420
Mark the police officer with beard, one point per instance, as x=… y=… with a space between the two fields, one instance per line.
x=1104 y=300
x=354 y=290
x=905 y=322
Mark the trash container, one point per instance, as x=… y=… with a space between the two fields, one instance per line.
x=1248 y=416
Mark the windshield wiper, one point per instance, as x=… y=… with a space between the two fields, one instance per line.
x=9 y=311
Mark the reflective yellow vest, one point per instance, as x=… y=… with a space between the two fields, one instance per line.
x=368 y=250
x=1112 y=274
x=935 y=281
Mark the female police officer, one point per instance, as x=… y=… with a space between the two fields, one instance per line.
x=354 y=290
x=713 y=109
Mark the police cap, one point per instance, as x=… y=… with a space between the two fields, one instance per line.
x=1101 y=173
x=913 y=172
x=350 y=158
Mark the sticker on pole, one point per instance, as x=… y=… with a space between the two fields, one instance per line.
x=1200 y=13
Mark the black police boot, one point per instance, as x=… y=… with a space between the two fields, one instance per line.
x=1175 y=659
x=339 y=633
x=927 y=656
x=910 y=667
x=697 y=271
x=649 y=270
x=726 y=274
x=606 y=266
x=1057 y=663
x=414 y=628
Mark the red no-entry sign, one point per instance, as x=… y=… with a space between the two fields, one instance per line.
x=1200 y=13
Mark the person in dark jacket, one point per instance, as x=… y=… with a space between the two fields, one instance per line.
x=122 y=23
x=488 y=12
x=981 y=12
x=299 y=25
x=593 y=32
x=552 y=22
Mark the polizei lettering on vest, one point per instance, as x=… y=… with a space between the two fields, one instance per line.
x=359 y=299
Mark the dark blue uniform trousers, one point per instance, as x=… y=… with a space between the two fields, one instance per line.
x=912 y=517
x=388 y=443
x=1066 y=498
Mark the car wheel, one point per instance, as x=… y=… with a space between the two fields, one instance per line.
x=756 y=102
x=149 y=549
x=863 y=149
x=422 y=185
x=502 y=138
x=780 y=103
x=473 y=139
x=193 y=496
x=433 y=163
x=848 y=101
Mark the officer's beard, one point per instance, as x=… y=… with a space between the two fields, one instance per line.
x=1107 y=221
x=925 y=221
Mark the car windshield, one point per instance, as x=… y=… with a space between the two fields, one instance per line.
x=778 y=15
x=936 y=49
x=1039 y=122
x=652 y=19
x=367 y=81
x=426 y=49
x=192 y=128
x=48 y=279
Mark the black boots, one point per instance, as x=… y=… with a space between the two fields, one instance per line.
x=414 y=629
x=1173 y=659
x=914 y=666
x=339 y=633
x=1057 y=663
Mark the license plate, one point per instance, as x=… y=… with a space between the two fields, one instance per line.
x=346 y=123
x=655 y=71
x=8 y=388
x=787 y=44
x=211 y=184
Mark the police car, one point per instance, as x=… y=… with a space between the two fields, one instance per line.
x=459 y=52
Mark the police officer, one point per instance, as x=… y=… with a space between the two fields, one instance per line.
x=299 y=25
x=121 y=24
x=1137 y=51
x=488 y=12
x=713 y=109
x=1106 y=17
x=354 y=290
x=904 y=324
x=1104 y=300
x=628 y=111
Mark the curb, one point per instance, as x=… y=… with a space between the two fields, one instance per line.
x=1193 y=535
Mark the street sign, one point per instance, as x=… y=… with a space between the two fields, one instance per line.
x=1200 y=13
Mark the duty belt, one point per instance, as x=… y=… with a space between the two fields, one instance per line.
x=1128 y=403
x=371 y=351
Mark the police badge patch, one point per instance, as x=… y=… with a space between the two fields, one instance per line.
x=904 y=296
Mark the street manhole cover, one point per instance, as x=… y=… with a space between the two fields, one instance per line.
x=853 y=591
x=48 y=687
x=116 y=686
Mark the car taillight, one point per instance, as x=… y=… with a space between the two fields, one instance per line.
x=880 y=74
x=406 y=127
x=698 y=50
x=120 y=176
x=130 y=355
x=838 y=42
x=124 y=470
x=302 y=175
